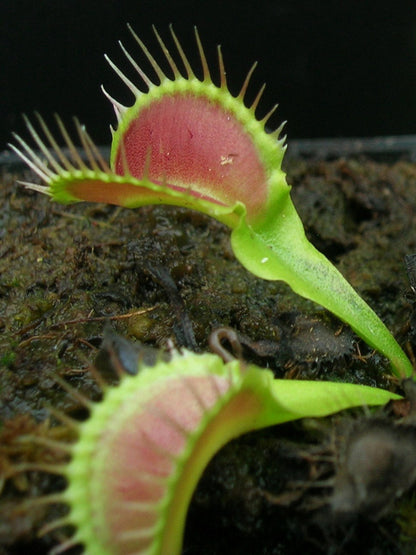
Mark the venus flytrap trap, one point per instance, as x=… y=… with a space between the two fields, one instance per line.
x=139 y=456
x=189 y=142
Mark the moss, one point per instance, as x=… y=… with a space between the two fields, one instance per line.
x=66 y=270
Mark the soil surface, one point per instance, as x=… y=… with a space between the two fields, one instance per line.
x=161 y=273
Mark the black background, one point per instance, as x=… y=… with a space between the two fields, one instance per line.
x=337 y=68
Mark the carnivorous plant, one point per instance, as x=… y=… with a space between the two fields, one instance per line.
x=187 y=141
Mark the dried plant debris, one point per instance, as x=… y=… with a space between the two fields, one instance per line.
x=117 y=355
x=314 y=341
x=376 y=466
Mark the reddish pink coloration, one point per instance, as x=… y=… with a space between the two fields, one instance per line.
x=144 y=443
x=112 y=192
x=194 y=144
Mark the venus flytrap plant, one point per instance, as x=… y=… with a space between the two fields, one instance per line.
x=139 y=456
x=189 y=142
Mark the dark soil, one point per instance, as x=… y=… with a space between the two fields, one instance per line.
x=163 y=273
